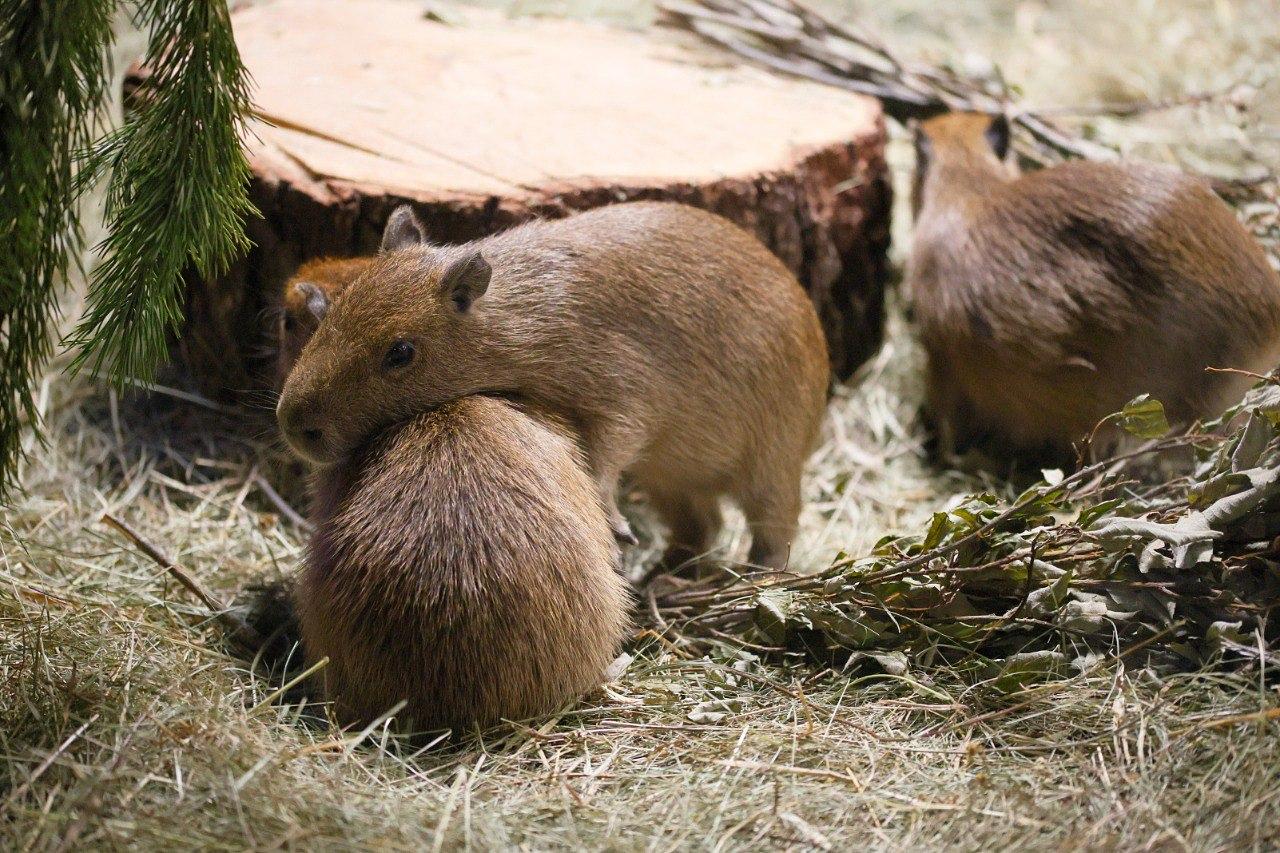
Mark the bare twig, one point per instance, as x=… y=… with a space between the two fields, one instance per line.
x=241 y=631
x=280 y=503
x=792 y=39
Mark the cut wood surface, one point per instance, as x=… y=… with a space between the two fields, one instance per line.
x=488 y=121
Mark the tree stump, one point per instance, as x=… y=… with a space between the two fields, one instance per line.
x=365 y=104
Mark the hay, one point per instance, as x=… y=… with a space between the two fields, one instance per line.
x=125 y=722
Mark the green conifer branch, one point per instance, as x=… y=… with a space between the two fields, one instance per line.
x=53 y=78
x=176 y=192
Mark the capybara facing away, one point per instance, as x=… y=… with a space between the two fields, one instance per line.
x=1048 y=300
x=673 y=342
x=462 y=562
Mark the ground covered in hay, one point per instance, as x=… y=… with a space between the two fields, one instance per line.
x=126 y=721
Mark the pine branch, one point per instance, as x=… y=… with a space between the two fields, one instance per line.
x=53 y=78
x=177 y=191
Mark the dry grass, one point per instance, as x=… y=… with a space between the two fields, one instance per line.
x=124 y=724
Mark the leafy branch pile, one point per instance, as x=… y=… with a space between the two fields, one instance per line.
x=787 y=36
x=1077 y=568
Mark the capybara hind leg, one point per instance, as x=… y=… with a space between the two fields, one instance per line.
x=773 y=519
x=611 y=447
x=693 y=522
x=943 y=410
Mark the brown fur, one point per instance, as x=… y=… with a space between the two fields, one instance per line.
x=461 y=562
x=675 y=343
x=1046 y=301
x=297 y=321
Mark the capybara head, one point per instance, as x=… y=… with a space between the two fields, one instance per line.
x=401 y=339
x=304 y=302
x=975 y=142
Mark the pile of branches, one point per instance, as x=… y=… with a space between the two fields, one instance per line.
x=793 y=39
x=790 y=38
x=1077 y=569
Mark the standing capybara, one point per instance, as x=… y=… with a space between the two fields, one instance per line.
x=1047 y=301
x=675 y=344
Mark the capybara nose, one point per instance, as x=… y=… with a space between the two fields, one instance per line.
x=300 y=427
x=300 y=432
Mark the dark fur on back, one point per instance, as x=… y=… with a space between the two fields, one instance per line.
x=462 y=562
x=1047 y=301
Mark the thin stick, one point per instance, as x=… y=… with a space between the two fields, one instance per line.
x=281 y=504
x=241 y=630
x=185 y=396
x=1255 y=717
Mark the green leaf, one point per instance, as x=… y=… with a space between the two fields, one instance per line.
x=1144 y=417
x=1018 y=671
x=1091 y=514
x=938 y=529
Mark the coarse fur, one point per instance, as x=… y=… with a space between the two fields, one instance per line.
x=303 y=301
x=676 y=345
x=462 y=562
x=1046 y=301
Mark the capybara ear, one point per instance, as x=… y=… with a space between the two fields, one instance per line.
x=403 y=229
x=466 y=280
x=997 y=134
x=314 y=298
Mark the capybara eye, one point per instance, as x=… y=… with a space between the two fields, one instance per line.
x=290 y=323
x=398 y=355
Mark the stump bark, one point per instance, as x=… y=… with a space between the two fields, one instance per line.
x=365 y=104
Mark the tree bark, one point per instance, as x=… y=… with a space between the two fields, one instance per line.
x=366 y=105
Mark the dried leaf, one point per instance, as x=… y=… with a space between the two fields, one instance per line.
x=1264 y=484
x=773 y=607
x=1252 y=442
x=890 y=663
x=1048 y=599
x=1193 y=527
